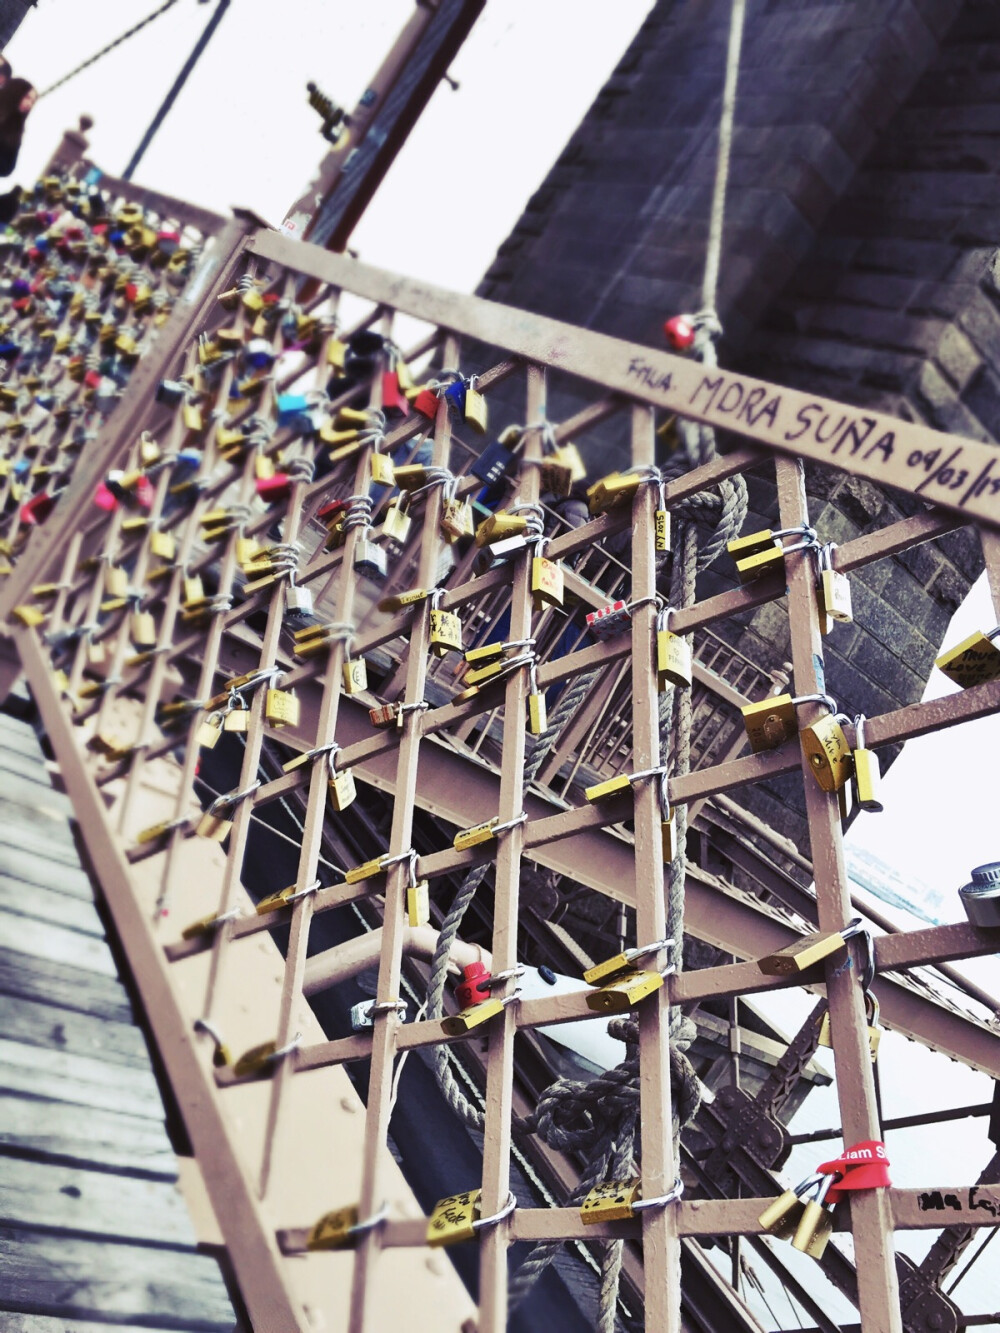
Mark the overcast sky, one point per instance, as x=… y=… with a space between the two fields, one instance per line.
x=242 y=131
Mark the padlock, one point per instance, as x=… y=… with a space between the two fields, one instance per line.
x=562 y=469
x=491 y=464
x=487 y=652
x=499 y=526
x=661 y=530
x=191 y=416
x=609 y=621
x=29 y=615
x=298 y=600
x=537 y=715
x=673 y=655
x=209 y=731
x=611 y=491
x=972 y=662
x=411 y=476
x=770 y=722
x=752 y=544
x=162 y=545
x=281 y=708
x=336 y=352
x=342 y=788
x=370 y=561
x=396 y=523
x=801 y=954
x=355 y=674
x=237 y=716
x=206 y=925
x=445 y=632
x=624 y=993
x=753 y=567
x=456 y=518
x=480 y=675
x=835 y=595
x=474 y=409
x=457 y=1024
x=872 y=1011
x=398 y=600
x=825 y=746
x=115 y=581
x=214 y=827
x=258 y=1062
x=610 y=787
x=274 y=902
x=451 y=1220
x=394 y=401
x=668 y=833
x=781 y=1217
x=425 y=401
x=867 y=775
x=815 y=1226
x=368 y=870
x=981 y=896
x=333 y=1231
x=608 y=970
x=476 y=835
x=386 y=715
x=193 y=590
x=547 y=583
x=610 y=1201
x=382 y=469
x=418 y=908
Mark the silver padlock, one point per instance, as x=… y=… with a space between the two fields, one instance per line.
x=299 y=600
x=361 y=1015
x=981 y=897
x=444 y=565
x=370 y=561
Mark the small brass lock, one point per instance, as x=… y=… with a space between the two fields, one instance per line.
x=537 y=714
x=825 y=746
x=476 y=835
x=770 y=722
x=209 y=731
x=547 y=583
x=355 y=675
x=451 y=1220
x=610 y=1201
x=973 y=661
x=281 y=708
x=624 y=993
x=867 y=775
x=418 y=908
x=673 y=655
x=342 y=789
x=467 y=1019
x=445 y=633
x=611 y=787
x=334 y=1230
x=382 y=470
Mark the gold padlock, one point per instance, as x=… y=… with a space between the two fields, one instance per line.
x=162 y=545
x=209 y=731
x=456 y=518
x=673 y=655
x=537 y=715
x=610 y=1202
x=499 y=526
x=382 y=469
x=752 y=544
x=753 y=567
x=973 y=661
x=205 y=925
x=116 y=581
x=193 y=590
x=142 y=629
x=451 y=1220
x=611 y=491
x=668 y=832
x=274 y=902
x=258 y=1062
x=281 y=708
x=418 y=906
x=445 y=633
x=835 y=596
x=396 y=523
x=801 y=954
x=867 y=774
x=547 y=583
x=475 y=410
x=872 y=1011
x=213 y=827
x=611 y=787
x=367 y=870
x=770 y=722
x=815 y=1225
x=333 y=1231
x=397 y=601
x=467 y=1019
x=781 y=1217
x=661 y=528
x=355 y=675
x=825 y=746
x=342 y=789
x=477 y=834
x=624 y=993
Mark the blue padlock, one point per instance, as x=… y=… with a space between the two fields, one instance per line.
x=454 y=396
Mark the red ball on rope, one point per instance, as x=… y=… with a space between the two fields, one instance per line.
x=679 y=332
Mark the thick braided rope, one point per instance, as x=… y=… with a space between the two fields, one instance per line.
x=570 y=699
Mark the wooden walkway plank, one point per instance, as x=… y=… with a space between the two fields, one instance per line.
x=44 y=904
x=94 y=1204
x=28 y=856
x=34 y=1024
x=35 y=1323
x=53 y=944
x=62 y=985
x=102 y=1138
x=61 y=1076
x=48 y=1274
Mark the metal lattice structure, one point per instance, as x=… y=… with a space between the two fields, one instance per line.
x=153 y=631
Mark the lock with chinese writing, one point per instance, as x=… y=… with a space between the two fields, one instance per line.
x=456 y=516
x=445 y=632
x=673 y=654
x=452 y=1219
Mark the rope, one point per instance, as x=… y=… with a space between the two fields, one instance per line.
x=110 y=47
x=713 y=251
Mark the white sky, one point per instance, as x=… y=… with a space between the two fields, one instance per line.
x=243 y=133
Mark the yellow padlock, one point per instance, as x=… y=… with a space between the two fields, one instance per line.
x=467 y=1019
x=451 y=1219
x=334 y=1230
x=801 y=954
x=610 y=1202
x=673 y=659
x=770 y=722
x=355 y=674
x=418 y=906
x=611 y=787
x=547 y=582
x=281 y=708
x=445 y=633
x=825 y=746
x=973 y=661
x=368 y=870
x=623 y=994
x=477 y=834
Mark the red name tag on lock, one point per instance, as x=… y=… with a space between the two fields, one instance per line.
x=863 y=1166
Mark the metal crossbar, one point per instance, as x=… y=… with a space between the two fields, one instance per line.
x=166 y=634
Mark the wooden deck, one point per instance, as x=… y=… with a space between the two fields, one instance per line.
x=94 y=1232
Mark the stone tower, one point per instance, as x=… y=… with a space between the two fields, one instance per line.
x=858 y=260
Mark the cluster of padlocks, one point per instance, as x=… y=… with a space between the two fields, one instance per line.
x=88 y=282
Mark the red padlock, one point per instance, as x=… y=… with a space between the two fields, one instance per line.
x=471 y=990
x=104 y=498
x=131 y=291
x=863 y=1166
x=144 y=493
x=679 y=332
x=37 y=509
x=92 y=379
x=426 y=403
x=393 y=399
x=274 y=488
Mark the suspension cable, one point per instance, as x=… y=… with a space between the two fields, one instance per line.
x=168 y=4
